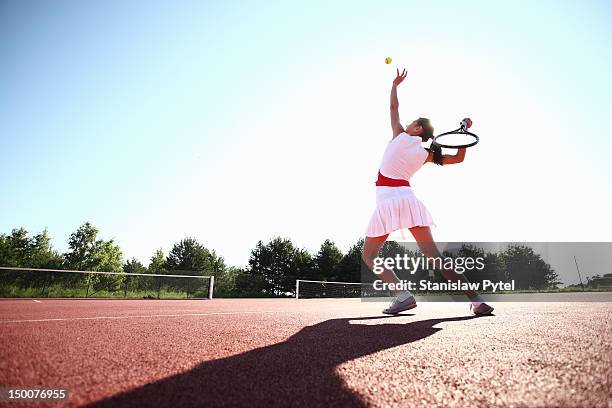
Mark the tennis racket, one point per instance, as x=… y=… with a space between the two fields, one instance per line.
x=458 y=138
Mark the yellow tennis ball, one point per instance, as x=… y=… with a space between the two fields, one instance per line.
x=388 y=60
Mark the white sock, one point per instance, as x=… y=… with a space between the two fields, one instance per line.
x=477 y=301
x=404 y=295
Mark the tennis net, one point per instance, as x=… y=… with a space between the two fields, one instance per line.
x=311 y=289
x=54 y=283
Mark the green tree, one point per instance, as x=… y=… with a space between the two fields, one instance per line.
x=42 y=254
x=327 y=260
x=82 y=244
x=20 y=250
x=134 y=283
x=107 y=256
x=495 y=268
x=304 y=267
x=392 y=248
x=528 y=269
x=349 y=268
x=217 y=263
x=134 y=266
x=274 y=267
x=225 y=282
x=189 y=257
x=5 y=251
x=18 y=245
x=92 y=254
x=468 y=251
x=157 y=264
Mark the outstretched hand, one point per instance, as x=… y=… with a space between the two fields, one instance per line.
x=400 y=77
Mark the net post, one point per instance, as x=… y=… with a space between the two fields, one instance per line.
x=88 y=282
x=211 y=286
x=46 y=285
x=297 y=289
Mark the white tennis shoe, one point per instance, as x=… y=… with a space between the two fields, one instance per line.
x=482 y=309
x=403 y=302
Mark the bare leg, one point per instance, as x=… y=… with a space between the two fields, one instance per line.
x=426 y=243
x=371 y=246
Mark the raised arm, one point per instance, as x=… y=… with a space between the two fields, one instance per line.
x=455 y=158
x=396 y=126
x=448 y=158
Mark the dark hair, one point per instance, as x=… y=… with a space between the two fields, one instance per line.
x=427 y=134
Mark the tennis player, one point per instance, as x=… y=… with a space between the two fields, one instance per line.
x=397 y=207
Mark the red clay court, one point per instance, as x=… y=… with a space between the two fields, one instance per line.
x=287 y=352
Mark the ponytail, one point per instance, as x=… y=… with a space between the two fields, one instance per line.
x=427 y=134
x=437 y=153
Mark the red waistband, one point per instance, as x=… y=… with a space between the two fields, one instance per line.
x=389 y=182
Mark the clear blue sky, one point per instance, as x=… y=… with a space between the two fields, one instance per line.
x=160 y=120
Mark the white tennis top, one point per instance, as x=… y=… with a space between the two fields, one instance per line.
x=403 y=156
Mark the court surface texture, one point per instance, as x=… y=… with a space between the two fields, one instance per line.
x=307 y=353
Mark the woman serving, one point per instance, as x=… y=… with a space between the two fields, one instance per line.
x=397 y=207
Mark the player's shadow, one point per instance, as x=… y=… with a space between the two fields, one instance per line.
x=298 y=372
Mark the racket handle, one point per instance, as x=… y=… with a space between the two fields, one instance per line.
x=466 y=123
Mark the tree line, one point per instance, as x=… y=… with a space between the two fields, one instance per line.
x=272 y=268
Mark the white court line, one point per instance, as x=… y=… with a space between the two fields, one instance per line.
x=135 y=317
x=37 y=301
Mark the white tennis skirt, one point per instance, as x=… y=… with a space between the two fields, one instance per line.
x=397 y=209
